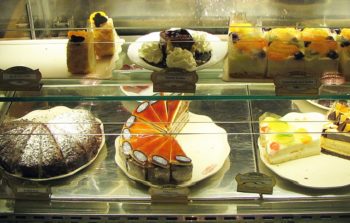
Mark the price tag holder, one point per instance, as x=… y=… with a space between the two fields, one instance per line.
x=169 y=195
x=254 y=182
x=174 y=80
x=32 y=192
x=297 y=84
x=20 y=78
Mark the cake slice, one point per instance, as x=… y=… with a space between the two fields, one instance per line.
x=285 y=52
x=335 y=139
x=321 y=51
x=294 y=136
x=177 y=115
x=148 y=114
x=181 y=164
x=344 y=39
x=80 y=52
x=104 y=34
x=246 y=51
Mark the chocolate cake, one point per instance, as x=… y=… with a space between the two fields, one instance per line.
x=38 y=149
x=335 y=139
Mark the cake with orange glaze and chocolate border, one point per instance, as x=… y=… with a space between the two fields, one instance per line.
x=148 y=143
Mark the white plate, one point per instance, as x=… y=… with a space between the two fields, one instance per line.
x=219 y=50
x=51 y=58
x=136 y=91
x=43 y=116
x=319 y=172
x=208 y=150
x=314 y=103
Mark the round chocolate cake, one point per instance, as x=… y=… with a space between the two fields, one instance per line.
x=50 y=143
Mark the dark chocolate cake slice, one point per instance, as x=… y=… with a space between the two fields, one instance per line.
x=176 y=38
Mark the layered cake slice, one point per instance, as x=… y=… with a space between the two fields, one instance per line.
x=291 y=137
x=321 y=51
x=246 y=51
x=146 y=112
x=149 y=149
x=335 y=139
x=104 y=34
x=285 y=52
x=344 y=39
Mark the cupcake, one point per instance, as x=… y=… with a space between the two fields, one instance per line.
x=321 y=51
x=246 y=51
x=285 y=52
x=344 y=40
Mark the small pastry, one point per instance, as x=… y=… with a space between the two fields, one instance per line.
x=104 y=34
x=80 y=52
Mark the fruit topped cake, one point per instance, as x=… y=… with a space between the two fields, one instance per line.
x=321 y=51
x=177 y=48
x=293 y=136
x=104 y=34
x=344 y=39
x=148 y=143
x=285 y=51
x=335 y=139
x=246 y=51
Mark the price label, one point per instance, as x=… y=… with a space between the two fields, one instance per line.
x=254 y=182
x=32 y=192
x=174 y=80
x=297 y=84
x=169 y=195
x=20 y=78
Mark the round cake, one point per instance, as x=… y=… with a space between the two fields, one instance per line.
x=50 y=143
x=148 y=144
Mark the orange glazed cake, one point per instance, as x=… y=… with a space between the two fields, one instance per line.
x=148 y=143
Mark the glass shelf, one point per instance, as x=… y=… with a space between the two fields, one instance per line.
x=111 y=90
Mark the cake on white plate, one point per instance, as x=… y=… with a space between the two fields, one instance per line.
x=321 y=51
x=285 y=52
x=344 y=39
x=246 y=51
x=335 y=139
x=293 y=136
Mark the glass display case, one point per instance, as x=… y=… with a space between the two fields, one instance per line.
x=174 y=111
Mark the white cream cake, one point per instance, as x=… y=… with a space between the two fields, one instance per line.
x=293 y=136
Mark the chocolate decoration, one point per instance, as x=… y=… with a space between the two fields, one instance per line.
x=77 y=39
x=178 y=38
x=99 y=19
